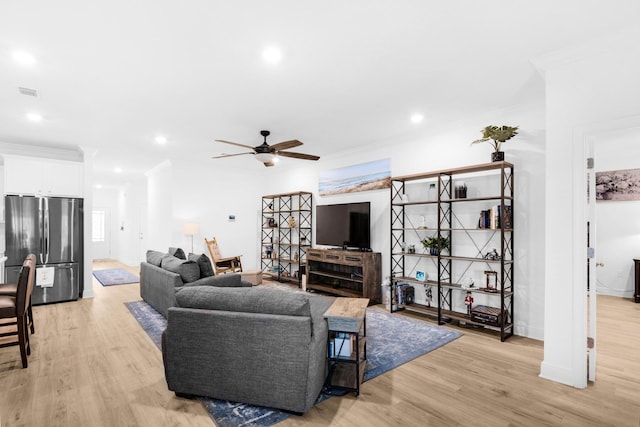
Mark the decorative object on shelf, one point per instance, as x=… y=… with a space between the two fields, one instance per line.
x=496 y=135
x=374 y=175
x=272 y=222
x=404 y=198
x=421 y=275
x=303 y=240
x=460 y=190
x=435 y=245
x=292 y=222
x=491 y=280
x=428 y=293
x=468 y=301
x=412 y=249
x=468 y=283
x=493 y=255
x=433 y=193
x=296 y=257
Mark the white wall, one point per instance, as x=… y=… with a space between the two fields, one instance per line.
x=588 y=90
x=617 y=222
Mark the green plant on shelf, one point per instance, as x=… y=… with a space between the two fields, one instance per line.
x=435 y=245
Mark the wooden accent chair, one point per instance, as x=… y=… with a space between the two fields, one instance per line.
x=16 y=308
x=223 y=265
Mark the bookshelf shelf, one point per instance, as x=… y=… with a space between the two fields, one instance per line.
x=486 y=248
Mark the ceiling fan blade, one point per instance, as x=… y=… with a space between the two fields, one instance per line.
x=298 y=155
x=286 y=144
x=229 y=155
x=235 y=143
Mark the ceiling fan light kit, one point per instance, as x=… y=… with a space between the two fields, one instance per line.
x=268 y=154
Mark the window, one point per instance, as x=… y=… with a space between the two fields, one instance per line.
x=98 y=231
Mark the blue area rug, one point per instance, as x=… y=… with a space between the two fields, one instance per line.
x=392 y=340
x=115 y=276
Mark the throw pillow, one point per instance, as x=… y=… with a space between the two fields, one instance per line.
x=188 y=270
x=155 y=257
x=203 y=261
x=177 y=252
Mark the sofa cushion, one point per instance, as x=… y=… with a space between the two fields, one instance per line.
x=188 y=270
x=246 y=299
x=203 y=261
x=155 y=257
x=177 y=252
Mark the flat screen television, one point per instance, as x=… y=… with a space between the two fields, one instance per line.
x=347 y=225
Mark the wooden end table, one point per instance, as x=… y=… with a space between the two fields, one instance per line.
x=346 y=344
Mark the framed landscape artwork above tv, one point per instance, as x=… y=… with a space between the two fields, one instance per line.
x=374 y=175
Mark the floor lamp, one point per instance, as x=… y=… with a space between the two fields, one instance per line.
x=191 y=229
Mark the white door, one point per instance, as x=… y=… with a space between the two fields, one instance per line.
x=101 y=233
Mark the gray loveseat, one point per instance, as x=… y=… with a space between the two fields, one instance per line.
x=264 y=347
x=163 y=274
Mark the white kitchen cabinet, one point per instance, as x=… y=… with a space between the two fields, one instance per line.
x=42 y=177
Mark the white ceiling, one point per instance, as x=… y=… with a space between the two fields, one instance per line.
x=113 y=74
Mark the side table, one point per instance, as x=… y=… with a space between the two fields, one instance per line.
x=346 y=345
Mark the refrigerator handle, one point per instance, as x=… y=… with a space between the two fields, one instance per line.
x=73 y=227
x=46 y=226
x=41 y=226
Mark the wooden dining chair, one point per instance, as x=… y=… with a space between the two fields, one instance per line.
x=220 y=264
x=15 y=308
x=11 y=289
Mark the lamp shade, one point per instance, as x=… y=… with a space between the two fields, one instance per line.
x=190 y=228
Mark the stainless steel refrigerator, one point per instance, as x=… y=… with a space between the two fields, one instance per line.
x=52 y=229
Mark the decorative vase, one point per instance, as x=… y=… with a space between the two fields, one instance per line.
x=434 y=251
x=497 y=156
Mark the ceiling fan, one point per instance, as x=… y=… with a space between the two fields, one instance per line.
x=268 y=154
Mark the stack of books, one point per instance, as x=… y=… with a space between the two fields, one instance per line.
x=494 y=218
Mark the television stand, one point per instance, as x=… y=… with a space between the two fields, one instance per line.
x=345 y=273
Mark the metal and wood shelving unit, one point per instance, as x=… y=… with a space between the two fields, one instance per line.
x=474 y=249
x=286 y=234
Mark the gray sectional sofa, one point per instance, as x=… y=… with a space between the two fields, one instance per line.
x=264 y=347
x=163 y=273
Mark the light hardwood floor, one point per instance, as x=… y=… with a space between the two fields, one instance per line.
x=92 y=365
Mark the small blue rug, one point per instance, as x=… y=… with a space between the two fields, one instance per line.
x=392 y=340
x=115 y=276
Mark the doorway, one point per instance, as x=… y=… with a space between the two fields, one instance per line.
x=101 y=233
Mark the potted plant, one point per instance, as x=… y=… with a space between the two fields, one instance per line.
x=436 y=244
x=496 y=135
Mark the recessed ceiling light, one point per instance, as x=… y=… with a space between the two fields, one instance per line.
x=98 y=186
x=417 y=118
x=117 y=170
x=161 y=139
x=34 y=117
x=272 y=54
x=23 y=58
